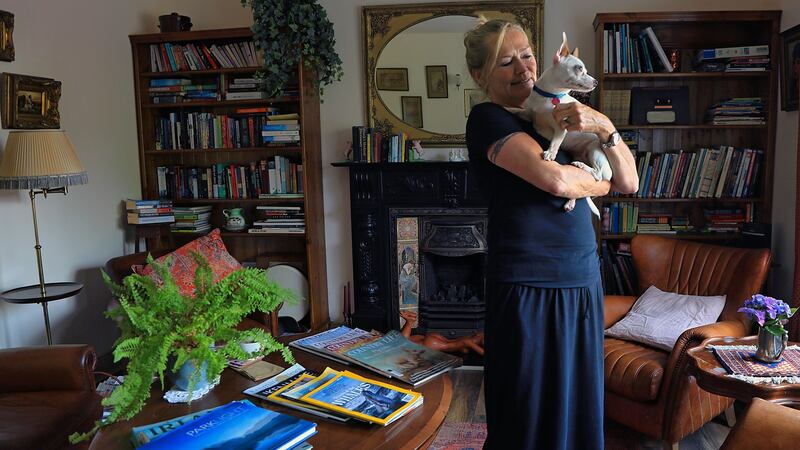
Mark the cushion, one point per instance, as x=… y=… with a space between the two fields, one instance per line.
x=658 y=318
x=633 y=370
x=183 y=266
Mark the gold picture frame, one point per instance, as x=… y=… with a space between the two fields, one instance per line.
x=412 y=110
x=436 y=81
x=391 y=79
x=29 y=102
x=6 y=36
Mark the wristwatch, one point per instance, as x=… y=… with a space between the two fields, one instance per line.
x=613 y=140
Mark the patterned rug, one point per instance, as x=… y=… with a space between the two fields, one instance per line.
x=460 y=436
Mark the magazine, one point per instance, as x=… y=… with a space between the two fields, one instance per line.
x=237 y=425
x=264 y=389
x=279 y=397
x=364 y=399
x=329 y=344
x=147 y=433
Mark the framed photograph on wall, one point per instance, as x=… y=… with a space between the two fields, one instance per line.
x=412 y=110
x=790 y=70
x=29 y=102
x=391 y=79
x=436 y=81
x=6 y=36
x=471 y=98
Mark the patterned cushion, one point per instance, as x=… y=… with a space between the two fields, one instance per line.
x=183 y=267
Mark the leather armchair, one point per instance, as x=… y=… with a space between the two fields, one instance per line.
x=648 y=389
x=121 y=266
x=46 y=394
x=765 y=426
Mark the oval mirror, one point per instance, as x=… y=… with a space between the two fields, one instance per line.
x=416 y=77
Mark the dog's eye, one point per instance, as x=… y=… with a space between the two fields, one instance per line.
x=578 y=69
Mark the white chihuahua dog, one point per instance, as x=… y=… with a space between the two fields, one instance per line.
x=568 y=73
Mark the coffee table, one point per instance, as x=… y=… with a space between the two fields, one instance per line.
x=415 y=430
x=712 y=377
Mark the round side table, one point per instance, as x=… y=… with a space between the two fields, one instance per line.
x=33 y=294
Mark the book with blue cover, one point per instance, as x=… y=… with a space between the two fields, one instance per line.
x=148 y=433
x=237 y=425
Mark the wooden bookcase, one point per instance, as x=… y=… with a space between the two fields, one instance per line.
x=304 y=251
x=689 y=32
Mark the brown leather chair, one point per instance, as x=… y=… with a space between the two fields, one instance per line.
x=765 y=426
x=121 y=266
x=46 y=394
x=647 y=389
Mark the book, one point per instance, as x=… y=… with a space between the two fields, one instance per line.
x=290 y=394
x=147 y=433
x=239 y=424
x=662 y=57
x=135 y=219
x=365 y=399
x=732 y=52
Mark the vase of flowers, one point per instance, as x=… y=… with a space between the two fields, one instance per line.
x=771 y=315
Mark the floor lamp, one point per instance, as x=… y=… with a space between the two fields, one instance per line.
x=43 y=162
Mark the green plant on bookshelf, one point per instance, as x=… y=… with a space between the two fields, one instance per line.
x=160 y=325
x=280 y=28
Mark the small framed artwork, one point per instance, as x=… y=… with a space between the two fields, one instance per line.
x=29 y=102
x=6 y=36
x=790 y=72
x=412 y=110
x=391 y=79
x=436 y=81
x=471 y=98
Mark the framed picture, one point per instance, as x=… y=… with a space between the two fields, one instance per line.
x=436 y=81
x=471 y=98
x=790 y=72
x=29 y=102
x=395 y=79
x=6 y=36
x=412 y=110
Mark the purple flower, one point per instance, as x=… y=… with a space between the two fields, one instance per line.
x=767 y=311
x=754 y=314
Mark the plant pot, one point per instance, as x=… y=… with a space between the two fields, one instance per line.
x=181 y=379
x=770 y=346
x=250 y=347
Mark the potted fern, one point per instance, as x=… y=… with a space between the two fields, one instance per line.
x=288 y=31
x=163 y=329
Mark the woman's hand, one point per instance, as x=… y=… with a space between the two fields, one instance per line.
x=576 y=116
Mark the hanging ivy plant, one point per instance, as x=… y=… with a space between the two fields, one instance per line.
x=288 y=30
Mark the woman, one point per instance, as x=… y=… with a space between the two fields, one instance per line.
x=544 y=330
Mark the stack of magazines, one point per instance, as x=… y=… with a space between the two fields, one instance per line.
x=391 y=355
x=338 y=396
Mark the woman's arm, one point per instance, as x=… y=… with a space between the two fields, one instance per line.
x=585 y=119
x=521 y=155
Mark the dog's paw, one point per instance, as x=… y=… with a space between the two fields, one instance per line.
x=582 y=165
x=550 y=154
x=569 y=205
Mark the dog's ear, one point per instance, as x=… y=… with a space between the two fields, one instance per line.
x=575 y=52
x=564 y=49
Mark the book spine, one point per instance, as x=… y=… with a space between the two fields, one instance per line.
x=659 y=50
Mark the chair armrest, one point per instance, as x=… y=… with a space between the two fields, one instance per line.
x=56 y=368
x=694 y=336
x=615 y=307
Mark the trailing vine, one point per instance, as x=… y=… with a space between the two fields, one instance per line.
x=288 y=31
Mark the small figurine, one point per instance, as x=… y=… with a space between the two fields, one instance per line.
x=436 y=341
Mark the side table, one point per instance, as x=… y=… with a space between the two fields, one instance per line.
x=33 y=294
x=712 y=376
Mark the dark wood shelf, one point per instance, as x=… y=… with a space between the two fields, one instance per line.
x=184 y=73
x=259 y=201
x=691 y=127
x=685 y=75
x=383 y=164
x=678 y=200
x=195 y=151
x=197 y=104
x=686 y=236
x=246 y=235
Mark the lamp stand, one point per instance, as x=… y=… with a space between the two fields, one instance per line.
x=38 y=247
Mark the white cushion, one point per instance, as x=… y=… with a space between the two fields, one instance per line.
x=658 y=318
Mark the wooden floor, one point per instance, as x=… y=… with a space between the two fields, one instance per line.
x=468 y=406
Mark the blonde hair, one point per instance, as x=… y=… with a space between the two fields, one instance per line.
x=483 y=44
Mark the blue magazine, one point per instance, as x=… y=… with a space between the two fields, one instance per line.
x=237 y=425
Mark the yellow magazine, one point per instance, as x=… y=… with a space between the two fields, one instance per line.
x=365 y=399
x=281 y=398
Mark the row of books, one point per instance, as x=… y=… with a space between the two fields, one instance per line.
x=192 y=219
x=724 y=172
x=390 y=354
x=370 y=145
x=618 y=276
x=627 y=52
x=203 y=130
x=278 y=178
x=737 y=111
x=169 y=57
x=339 y=396
x=279 y=219
x=625 y=217
x=176 y=90
x=753 y=58
x=145 y=212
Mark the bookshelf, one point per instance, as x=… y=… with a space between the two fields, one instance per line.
x=225 y=136
x=685 y=33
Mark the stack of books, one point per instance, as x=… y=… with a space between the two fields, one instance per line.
x=391 y=355
x=737 y=111
x=281 y=129
x=279 y=219
x=192 y=219
x=339 y=396
x=753 y=58
x=238 y=424
x=176 y=90
x=245 y=89
x=145 y=212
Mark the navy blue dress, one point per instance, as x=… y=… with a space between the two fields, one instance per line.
x=544 y=325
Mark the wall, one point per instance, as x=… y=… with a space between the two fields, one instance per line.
x=84 y=44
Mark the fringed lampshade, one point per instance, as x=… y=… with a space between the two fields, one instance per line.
x=40 y=159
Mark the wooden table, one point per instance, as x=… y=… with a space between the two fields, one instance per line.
x=413 y=431
x=712 y=376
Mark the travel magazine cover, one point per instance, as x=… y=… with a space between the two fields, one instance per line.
x=313 y=343
x=364 y=399
x=237 y=425
x=279 y=397
x=263 y=389
x=148 y=433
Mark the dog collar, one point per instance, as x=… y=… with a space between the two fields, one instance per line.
x=554 y=98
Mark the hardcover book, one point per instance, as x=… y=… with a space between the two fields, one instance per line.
x=148 y=433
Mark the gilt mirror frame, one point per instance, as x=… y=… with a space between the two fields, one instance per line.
x=382 y=23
